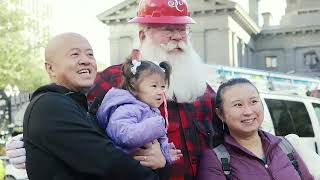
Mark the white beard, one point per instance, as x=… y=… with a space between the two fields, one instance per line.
x=187 y=80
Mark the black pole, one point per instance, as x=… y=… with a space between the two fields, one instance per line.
x=10 y=129
x=9 y=110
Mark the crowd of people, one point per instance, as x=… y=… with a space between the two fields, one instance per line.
x=153 y=117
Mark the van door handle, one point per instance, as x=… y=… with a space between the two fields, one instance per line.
x=316 y=147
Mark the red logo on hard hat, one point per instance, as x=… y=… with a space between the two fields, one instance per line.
x=163 y=12
x=176 y=4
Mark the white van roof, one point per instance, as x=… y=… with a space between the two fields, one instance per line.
x=286 y=96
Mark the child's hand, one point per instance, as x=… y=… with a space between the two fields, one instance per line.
x=175 y=154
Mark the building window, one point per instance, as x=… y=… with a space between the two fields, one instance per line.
x=311 y=59
x=271 y=62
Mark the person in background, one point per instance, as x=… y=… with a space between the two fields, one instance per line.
x=254 y=153
x=163 y=34
x=62 y=139
x=130 y=115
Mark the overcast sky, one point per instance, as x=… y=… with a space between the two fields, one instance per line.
x=80 y=16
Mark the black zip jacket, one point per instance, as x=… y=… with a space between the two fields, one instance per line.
x=64 y=142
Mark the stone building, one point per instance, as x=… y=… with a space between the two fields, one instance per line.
x=293 y=46
x=227 y=33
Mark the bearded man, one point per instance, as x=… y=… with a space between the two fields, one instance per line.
x=163 y=35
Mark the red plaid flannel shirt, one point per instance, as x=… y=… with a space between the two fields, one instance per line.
x=190 y=124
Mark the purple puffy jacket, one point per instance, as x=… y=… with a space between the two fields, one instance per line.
x=131 y=123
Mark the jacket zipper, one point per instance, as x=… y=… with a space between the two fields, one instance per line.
x=266 y=166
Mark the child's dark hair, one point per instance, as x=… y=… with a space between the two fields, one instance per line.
x=218 y=99
x=130 y=76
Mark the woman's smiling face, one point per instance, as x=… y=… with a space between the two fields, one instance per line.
x=242 y=109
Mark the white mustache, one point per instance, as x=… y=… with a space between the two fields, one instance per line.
x=171 y=45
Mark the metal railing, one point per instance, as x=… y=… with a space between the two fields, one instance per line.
x=8 y=106
x=17 y=101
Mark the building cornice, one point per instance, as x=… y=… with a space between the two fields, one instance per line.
x=236 y=12
x=115 y=15
x=245 y=20
x=308 y=11
x=289 y=30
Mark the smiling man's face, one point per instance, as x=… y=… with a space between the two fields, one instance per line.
x=168 y=35
x=72 y=63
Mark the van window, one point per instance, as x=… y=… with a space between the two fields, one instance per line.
x=290 y=117
x=317 y=110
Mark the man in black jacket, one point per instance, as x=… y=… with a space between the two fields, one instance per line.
x=62 y=140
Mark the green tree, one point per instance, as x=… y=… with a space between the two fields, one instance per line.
x=21 y=39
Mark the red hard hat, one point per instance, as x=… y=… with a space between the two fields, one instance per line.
x=163 y=12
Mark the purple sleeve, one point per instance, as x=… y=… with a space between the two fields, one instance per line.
x=127 y=132
x=303 y=168
x=102 y=116
x=210 y=168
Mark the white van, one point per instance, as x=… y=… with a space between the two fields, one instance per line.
x=292 y=114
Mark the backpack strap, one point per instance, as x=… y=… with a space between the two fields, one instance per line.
x=224 y=158
x=288 y=149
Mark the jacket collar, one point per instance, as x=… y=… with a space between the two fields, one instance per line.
x=269 y=141
x=79 y=97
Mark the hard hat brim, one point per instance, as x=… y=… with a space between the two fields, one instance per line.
x=163 y=20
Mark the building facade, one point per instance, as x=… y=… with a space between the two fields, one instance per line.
x=227 y=33
x=292 y=47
